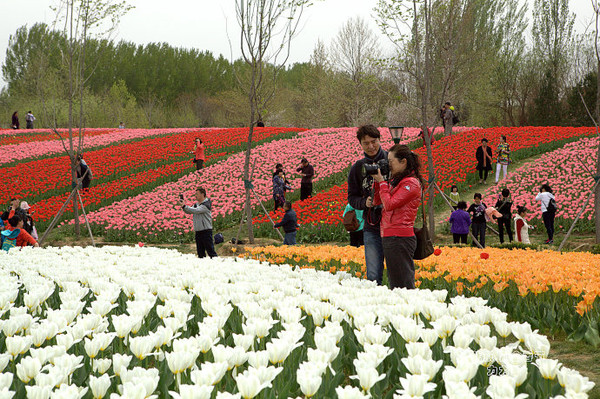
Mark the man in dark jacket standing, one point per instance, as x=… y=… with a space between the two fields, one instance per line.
x=307 y=172
x=289 y=224
x=360 y=196
x=202 y=223
x=504 y=206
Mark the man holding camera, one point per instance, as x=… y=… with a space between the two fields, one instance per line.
x=202 y=223
x=360 y=196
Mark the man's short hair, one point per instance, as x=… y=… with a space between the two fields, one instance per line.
x=367 y=130
x=304 y=160
x=484 y=139
x=505 y=192
x=201 y=190
x=13 y=199
x=503 y=137
x=14 y=221
x=477 y=195
x=287 y=204
x=448 y=103
x=461 y=205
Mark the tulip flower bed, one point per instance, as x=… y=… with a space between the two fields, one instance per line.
x=35 y=179
x=152 y=214
x=568 y=177
x=321 y=215
x=551 y=290
x=17 y=152
x=146 y=322
x=27 y=136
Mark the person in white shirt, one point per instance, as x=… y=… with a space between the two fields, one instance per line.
x=546 y=197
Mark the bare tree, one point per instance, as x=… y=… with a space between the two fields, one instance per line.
x=266 y=31
x=79 y=20
x=596 y=7
x=395 y=18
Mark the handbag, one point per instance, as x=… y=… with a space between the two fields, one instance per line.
x=351 y=222
x=424 y=244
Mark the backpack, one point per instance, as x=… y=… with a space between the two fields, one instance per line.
x=219 y=238
x=350 y=221
x=455 y=119
x=9 y=239
x=552 y=207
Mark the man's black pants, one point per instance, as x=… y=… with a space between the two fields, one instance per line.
x=305 y=191
x=205 y=243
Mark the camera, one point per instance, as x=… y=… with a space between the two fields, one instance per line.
x=181 y=196
x=382 y=164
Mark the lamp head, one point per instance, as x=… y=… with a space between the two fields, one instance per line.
x=396 y=132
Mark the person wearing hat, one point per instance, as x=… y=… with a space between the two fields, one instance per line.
x=307 y=172
x=28 y=224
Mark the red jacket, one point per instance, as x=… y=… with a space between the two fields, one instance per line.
x=400 y=206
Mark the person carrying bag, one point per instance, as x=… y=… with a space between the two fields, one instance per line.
x=400 y=198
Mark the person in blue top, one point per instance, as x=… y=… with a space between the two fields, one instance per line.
x=356 y=237
x=460 y=220
x=289 y=224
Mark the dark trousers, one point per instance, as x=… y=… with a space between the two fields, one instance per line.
x=205 y=243
x=305 y=191
x=502 y=222
x=357 y=238
x=483 y=174
x=478 y=229
x=548 y=218
x=398 y=253
x=199 y=163
x=460 y=238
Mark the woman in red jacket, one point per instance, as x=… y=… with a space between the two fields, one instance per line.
x=400 y=197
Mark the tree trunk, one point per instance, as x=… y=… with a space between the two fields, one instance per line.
x=248 y=207
x=71 y=95
x=597 y=192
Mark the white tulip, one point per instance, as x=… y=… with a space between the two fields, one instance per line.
x=4 y=359
x=538 y=344
x=349 y=392
x=548 y=368
x=209 y=373
x=17 y=345
x=5 y=380
x=462 y=340
x=28 y=368
x=248 y=384
x=101 y=365
x=429 y=336
x=519 y=373
x=192 y=392
x=367 y=377
x=309 y=383
x=521 y=330
x=503 y=328
x=227 y=395
x=120 y=362
x=38 y=336
x=419 y=349
x=502 y=387
x=266 y=375
x=6 y=394
x=139 y=376
x=37 y=392
x=415 y=386
x=258 y=359
x=178 y=362
x=381 y=351
x=141 y=346
x=92 y=347
x=68 y=392
x=68 y=363
x=459 y=390
x=99 y=385
x=574 y=382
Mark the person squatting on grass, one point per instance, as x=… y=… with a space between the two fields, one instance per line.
x=400 y=198
x=289 y=224
x=202 y=223
x=360 y=197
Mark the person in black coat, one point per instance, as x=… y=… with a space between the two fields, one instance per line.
x=484 y=160
x=504 y=206
x=15 y=120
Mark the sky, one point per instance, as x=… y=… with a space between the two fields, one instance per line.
x=206 y=24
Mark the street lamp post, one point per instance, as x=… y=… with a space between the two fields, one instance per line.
x=396 y=132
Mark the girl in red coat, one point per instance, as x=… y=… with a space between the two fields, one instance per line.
x=400 y=197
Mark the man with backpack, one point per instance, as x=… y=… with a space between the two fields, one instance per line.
x=16 y=236
x=450 y=118
x=29 y=118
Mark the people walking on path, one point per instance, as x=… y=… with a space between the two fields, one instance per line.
x=503 y=160
x=307 y=172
